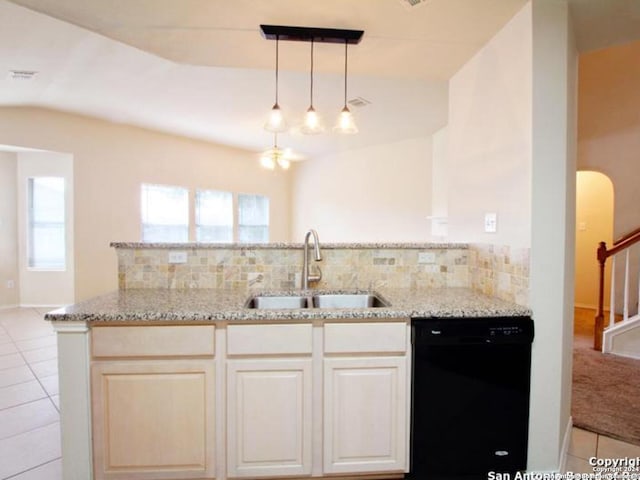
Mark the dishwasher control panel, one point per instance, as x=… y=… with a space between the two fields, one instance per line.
x=505 y=331
x=466 y=331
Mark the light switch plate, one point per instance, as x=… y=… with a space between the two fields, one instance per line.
x=490 y=222
x=177 y=256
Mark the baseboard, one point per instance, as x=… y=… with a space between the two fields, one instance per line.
x=7 y=307
x=633 y=355
x=591 y=307
x=585 y=305
x=566 y=441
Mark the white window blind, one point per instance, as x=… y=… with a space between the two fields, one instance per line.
x=253 y=218
x=214 y=216
x=46 y=223
x=165 y=213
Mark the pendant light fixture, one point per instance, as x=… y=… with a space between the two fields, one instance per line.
x=312 y=124
x=275 y=156
x=276 y=121
x=346 y=123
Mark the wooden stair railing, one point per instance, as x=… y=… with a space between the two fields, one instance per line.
x=623 y=243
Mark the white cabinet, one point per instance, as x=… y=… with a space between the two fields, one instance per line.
x=269 y=416
x=153 y=404
x=364 y=414
x=280 y=400
x=365 y=397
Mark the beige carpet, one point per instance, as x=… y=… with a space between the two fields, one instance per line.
x=606 y=388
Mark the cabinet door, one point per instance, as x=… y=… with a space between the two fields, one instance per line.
x=153 y=419
x=365 y=414
x=269 y=417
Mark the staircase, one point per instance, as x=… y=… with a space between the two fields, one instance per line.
x=619 y=337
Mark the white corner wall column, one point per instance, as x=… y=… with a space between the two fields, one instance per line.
x=75 y=406
x=552 y=229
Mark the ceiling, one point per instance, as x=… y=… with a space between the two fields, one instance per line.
x=200 y=68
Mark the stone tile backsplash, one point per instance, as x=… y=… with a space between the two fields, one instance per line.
x=500 y=271
x=496 y=271
x=280 y=268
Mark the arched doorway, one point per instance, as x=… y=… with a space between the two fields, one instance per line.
x=594 y=224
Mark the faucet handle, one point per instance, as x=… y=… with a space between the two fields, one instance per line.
x=317 y=276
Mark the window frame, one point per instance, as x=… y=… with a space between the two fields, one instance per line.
x=31 y=223
x=142 y=213
x=237 y=217
x=192 y=225
x=196 y=224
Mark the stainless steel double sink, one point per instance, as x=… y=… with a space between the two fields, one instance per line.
x=324 y=300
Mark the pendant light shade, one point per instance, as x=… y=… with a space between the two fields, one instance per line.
x=312 y=124
x=346 y=124
x=275 y=121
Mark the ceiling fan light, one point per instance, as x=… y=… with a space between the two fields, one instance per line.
x=276 y=122
x=284 y=163
x=312 y=124
x=346 y=124
x=267 y=161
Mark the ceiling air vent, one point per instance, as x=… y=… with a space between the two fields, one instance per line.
x=359 y=102
x=413 y=3
x=23 y=75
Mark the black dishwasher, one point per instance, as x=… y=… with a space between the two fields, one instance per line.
x=470 y=397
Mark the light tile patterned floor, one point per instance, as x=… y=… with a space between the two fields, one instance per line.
x=585 y=445
x=29 y=416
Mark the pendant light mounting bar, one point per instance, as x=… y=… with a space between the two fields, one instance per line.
x=306 y=34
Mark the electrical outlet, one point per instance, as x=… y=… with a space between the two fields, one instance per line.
x=426 y=257
x=177 y=256
x=11 y=284
x=490 y=222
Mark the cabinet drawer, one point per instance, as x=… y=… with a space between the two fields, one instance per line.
x=156 y=341
x=269 y=339
x=365 y=337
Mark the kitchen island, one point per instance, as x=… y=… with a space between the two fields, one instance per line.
x=173 y=376
x=191 y=384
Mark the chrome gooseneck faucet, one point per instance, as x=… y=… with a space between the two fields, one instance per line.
x=306 y=276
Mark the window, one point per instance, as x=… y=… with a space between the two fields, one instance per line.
x=46 y=223
x=214 y=216
x=165 y=213
x=220 y=217
x=253 y=219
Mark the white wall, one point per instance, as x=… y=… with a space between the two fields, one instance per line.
x=379 y=193
x=511 y=138
x=39 y=287
x=9 y=296
x=440 y=184
x=490 y=139
x=110 y=163
x=552 y=229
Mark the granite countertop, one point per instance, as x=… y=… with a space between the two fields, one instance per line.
x=287 y=245
x=204 y=305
